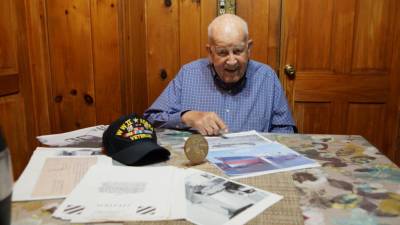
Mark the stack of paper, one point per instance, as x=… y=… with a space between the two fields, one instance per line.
x=247 y=154
x=54 y=172
x=110 y=193
x=116 y=193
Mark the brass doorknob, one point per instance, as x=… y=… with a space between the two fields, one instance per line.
x=290 y=71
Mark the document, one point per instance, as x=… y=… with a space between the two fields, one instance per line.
x=86 y=137
x=236 y=140
x=116 y=193
x=249 y=154
x=211 y=199
x=54 y=172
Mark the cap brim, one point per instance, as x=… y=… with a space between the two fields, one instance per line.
x=141 y=153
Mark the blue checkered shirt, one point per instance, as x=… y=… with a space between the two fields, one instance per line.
x=261 y=105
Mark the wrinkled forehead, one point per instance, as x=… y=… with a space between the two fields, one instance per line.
x=229 y=35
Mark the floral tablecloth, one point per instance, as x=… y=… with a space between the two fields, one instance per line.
x=355 y=185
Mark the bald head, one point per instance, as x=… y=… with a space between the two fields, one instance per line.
x=227 y=24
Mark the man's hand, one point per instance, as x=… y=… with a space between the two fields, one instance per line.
x=206 y=123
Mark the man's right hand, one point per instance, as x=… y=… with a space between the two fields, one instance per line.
x=206 y=123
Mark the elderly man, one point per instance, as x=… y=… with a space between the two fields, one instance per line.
x=227 y=92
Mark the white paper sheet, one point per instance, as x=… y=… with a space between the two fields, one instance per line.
x=211 y=199
x=236 y=140
x=86 y=137
x=53 y=172
x=112 y=193
x=247 y=154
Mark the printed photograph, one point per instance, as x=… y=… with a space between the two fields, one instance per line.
x=288 y=160
x=237 y=165
x=215 y=200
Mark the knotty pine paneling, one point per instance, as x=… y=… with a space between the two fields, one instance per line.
x=190 y=30
x=71 y=58
x=106 y=60
x=133 y=52
x=162 y=45
x=84 y=49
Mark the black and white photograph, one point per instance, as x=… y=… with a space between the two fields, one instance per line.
x=215 y=200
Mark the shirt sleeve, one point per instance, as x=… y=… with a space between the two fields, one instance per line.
x=281 y=121
x=166 y=111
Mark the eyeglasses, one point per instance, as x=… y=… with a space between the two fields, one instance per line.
x=224 y=52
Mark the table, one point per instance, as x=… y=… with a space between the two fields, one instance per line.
x=355 y=185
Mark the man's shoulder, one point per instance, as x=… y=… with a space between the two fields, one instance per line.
x=256 y=67
x=197 y=64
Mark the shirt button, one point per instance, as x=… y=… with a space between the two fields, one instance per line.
x=227 y=110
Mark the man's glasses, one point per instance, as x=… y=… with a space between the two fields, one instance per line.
x=224 y=52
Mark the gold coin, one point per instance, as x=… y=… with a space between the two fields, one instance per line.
x=196 y=148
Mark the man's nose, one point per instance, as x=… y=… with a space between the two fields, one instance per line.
x=231 y=59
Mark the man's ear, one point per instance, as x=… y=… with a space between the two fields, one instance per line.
x=208 y=48
x=249 y=45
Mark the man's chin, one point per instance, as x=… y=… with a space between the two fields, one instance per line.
x=230 y=79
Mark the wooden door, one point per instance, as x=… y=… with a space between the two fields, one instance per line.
x=16 y=105
x=342 y=52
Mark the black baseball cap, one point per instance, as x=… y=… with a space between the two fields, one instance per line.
x=131 y=140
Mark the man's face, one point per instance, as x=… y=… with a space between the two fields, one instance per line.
x=229 y=53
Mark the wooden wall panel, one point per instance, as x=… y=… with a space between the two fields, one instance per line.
x=367 y=120
x=162 y=45
x=314 y=117
x=135 y=60
x=208 y=13
x=373 y=35
x=39 y=65
x=190 y=30
x=194 y=17
x=71 y=57
x=106 y=56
